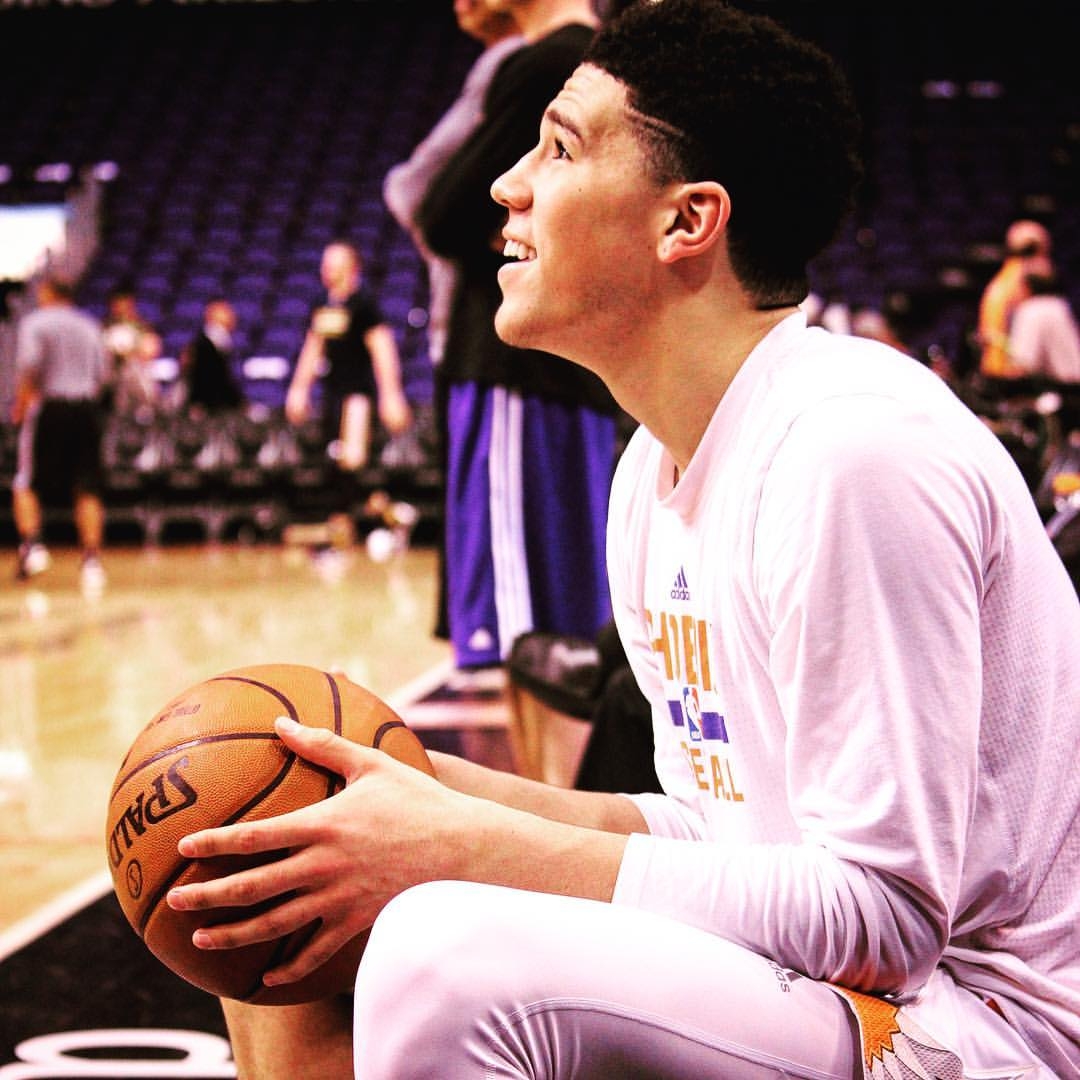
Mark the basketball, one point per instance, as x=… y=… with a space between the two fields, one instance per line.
x=211 y=757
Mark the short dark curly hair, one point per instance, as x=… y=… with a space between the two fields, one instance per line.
x=721 y=94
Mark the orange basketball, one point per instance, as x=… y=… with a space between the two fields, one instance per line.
x=211 y=757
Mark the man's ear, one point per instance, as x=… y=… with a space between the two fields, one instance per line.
x=699 y=215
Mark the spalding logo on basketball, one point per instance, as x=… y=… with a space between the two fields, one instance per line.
x=211 y=757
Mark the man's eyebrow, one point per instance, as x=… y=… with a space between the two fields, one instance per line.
x=555 y=116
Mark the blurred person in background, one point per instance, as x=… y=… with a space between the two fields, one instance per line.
x=135 y=390
x=125 y=329
x=1003 y=292
x=351 y=350
x=206 y=364
x=407 y=184
x=61 y=371
x=1044 y=340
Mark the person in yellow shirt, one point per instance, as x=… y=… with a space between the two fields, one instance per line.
x=1003 y=292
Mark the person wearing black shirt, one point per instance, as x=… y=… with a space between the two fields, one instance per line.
x=353 y=351
x=531 y=438
x=208 y=377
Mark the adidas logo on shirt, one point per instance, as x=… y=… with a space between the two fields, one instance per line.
x=681 y=589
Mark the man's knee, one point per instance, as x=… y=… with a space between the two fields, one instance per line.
x=424 y=984
x=420 y=934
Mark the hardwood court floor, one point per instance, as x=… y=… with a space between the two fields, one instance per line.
x=81 y=675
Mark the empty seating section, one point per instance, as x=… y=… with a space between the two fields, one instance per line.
x=245 y=141
x=243 y=472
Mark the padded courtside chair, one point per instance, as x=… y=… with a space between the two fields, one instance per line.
x=553 y=682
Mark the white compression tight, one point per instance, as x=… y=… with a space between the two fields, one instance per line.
x=462 y=981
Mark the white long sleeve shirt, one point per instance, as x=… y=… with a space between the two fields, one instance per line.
x=861 y=651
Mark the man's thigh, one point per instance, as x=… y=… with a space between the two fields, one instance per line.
x=470 y=980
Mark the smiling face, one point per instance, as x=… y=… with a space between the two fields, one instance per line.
x=582 y=229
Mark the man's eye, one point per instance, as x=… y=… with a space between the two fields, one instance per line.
x=560 y=150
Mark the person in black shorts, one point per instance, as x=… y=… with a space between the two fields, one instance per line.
x=61 y=371
x=351 y=350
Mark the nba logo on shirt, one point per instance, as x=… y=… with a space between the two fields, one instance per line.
x=692 y=710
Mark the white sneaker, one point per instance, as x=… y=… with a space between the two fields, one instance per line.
x=92 y=574
x=33 y=559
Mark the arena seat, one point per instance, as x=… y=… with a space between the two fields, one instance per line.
x=553 y=683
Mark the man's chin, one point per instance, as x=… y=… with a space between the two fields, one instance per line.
x=521 y=328
x=511 y=331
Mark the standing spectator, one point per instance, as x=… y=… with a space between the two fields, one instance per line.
x=1044 y=340
x=531 y=438
x=407 y=184
x=999 y=299
x=125 y=331
x=60 y=365
x=135 y=389
x=209 y=383
x=352 y=350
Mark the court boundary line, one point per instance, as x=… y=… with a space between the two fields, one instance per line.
x=54 y=912
x=416 y=689
x=72 y=900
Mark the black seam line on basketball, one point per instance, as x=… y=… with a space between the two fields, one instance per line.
x=254 y=735
x=262 y=686
x=225 y=736
x=270 y=788
x=279 y=953
x=382 y=730
x=334 y=782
